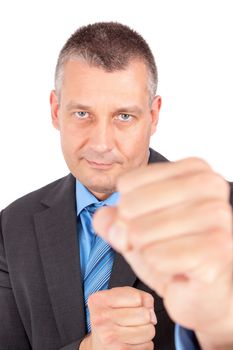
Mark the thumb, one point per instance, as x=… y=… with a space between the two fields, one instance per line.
x=103 y=219
x=107 y=225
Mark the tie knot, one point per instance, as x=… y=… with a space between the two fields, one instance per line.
x=91 y=208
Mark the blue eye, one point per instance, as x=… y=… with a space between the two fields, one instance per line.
x=81 y=115
x=125 y=117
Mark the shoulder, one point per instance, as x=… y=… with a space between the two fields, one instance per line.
x=156 y=157
x=31 y=202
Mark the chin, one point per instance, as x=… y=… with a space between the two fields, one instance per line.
x=101 y=189
x=99 y=184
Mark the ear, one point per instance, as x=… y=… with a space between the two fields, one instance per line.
x=54 y=109
x=155 y=108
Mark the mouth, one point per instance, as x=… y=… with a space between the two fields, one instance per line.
x=96 y=165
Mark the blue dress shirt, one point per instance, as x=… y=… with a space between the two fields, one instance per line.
x=84 y=198
x=184 y=339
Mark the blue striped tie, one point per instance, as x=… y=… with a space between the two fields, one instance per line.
x=99 y=264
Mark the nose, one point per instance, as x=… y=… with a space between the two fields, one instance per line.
x=101 y=137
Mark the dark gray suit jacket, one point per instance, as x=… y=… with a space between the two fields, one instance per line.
x=41 y=294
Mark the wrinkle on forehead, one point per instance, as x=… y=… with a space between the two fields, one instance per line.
x=79 y=76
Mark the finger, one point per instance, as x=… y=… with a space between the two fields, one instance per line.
x=156 y=281
x=121 y=297
x=103 y=219
x=129 y=317
x=110 y=339
x=134 y=335
x=184 y=297
x=158 y=268
x=103 y=223
x=160 y=171
x=171 y=192
x=144 y=346
x=175 y=222
x=172 y=222
x=203 y=255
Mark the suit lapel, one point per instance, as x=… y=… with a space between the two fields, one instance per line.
x=122 y=274
x=56 y=229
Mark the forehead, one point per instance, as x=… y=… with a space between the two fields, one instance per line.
x=80 y=78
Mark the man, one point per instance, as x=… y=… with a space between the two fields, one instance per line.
x=63 y=286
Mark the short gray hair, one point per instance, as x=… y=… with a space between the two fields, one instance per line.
x=109 y=45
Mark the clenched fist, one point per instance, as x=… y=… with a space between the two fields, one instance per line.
x=121 y=318
x=173 y=225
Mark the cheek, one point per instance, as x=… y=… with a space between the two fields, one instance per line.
x=134 y=141
x=71 y=139
x=136 y=137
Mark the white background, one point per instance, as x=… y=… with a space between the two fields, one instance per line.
x=193 y=46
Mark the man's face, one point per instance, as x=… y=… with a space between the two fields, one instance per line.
x=105 y=122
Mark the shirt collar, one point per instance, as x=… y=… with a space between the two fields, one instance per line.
x=84 y=198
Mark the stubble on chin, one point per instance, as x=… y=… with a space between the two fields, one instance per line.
x=100 y=184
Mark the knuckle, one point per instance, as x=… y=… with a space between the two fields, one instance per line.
x=197 y=162
x=215 y=182
x=91 y=301
x=97 y=319
x=126 y=292
x=208 y=182
x=227 y=249
x=201 y=181
x=220 y=245
x=221 y=214
x=134 y=232
x=109 y=337
x=224 y=210
x=220 y=184
x=125 y=206
x=150 y=346
x=151 y=332
x=146 y=315
x=224 y=246
x=97 y=308
x=135 y=294
x=204 y=179
x=148 y=299
x=94 y=299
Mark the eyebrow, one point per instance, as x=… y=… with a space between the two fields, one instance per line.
x=74 y=105
x=129 y=109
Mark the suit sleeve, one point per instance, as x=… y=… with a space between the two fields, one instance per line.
x=12 y=333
